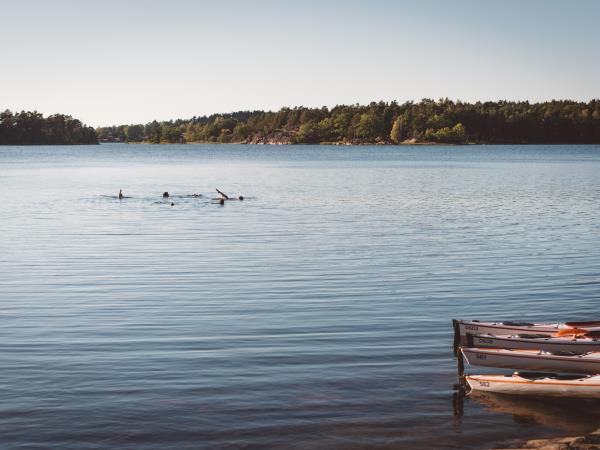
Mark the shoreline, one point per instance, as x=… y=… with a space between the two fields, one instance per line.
x=363 y=144
x=585 y=442
x=329 y=144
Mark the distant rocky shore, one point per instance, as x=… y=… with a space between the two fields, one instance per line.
x=288 y=138
x=284 y=138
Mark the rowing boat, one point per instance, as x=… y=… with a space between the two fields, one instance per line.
x=537 y=384
x=558 y=362
x=536 y=341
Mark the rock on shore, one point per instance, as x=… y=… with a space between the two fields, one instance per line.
x=588 y=442
x=275 y=138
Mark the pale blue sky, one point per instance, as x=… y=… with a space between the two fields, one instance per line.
x=109 y=62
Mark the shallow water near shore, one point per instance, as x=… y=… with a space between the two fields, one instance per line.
x=316 y=313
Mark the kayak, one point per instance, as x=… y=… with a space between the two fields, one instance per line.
x=558 y=362
x=537 y=384
x=462 y=328
x=590 y=342
x=514 y=327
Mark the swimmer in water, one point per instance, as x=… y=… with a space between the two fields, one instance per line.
x=165 y=194
x=222 y=194
x=120 y=194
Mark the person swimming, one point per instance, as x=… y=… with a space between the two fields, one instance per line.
x=165 y=194
x=120 y=194
x=222 y=194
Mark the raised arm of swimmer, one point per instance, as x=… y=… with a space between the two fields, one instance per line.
x=223 y=194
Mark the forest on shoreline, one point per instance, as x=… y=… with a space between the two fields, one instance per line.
x=443 y=121
x=428 y=121
x=32 y=128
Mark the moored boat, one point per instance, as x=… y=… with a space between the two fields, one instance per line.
x=537 y=384
x=558 y=362
x=462 y=328
x=589 y=342
x=514 y=327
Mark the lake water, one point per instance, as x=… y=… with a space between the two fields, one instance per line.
x=315 y=314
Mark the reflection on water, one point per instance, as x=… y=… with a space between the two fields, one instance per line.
x=575 y=416
x=458 y=400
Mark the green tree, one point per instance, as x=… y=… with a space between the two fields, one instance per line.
x=170 y=134
x=153 y=132
x=369 y=127
x=241 y=132
x=134 y=133
x=459 y=134
x=308 y=134
x=396 y=135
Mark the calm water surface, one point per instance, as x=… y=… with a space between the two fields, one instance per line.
x=314 y=314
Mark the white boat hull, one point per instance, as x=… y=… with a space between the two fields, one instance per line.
x=586 y=387
x=506 y=328
x=548 y=344
x=499 y=328
x=532 y=360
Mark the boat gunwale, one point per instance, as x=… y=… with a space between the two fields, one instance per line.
x=538 y=327
x=544 y=340
x=562 y=383
x=496 y=352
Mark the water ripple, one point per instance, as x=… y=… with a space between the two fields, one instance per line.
x=314 y=314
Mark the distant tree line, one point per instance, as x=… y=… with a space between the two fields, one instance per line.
x=442 y=121
x=29 y=128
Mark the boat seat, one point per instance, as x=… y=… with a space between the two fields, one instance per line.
x=566 y=353
x=583 y=324
x=533 y=375
x=569 y=377
x=518 y=324
x=540 y=375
